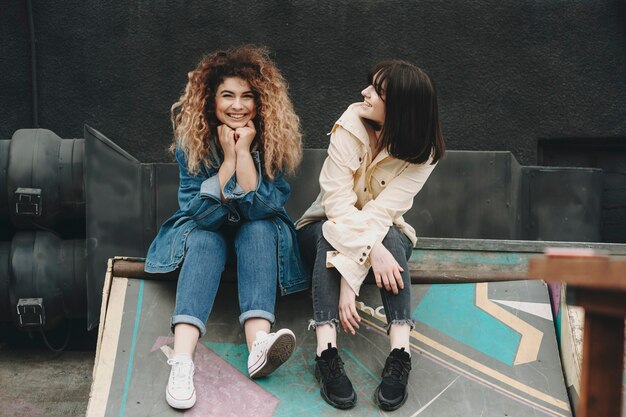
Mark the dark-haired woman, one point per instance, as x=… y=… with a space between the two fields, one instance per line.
x=235 y=136
x=381 y=152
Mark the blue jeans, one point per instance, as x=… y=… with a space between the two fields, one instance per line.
x=326 y=281
x=206 y=255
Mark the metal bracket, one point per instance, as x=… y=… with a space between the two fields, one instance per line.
x=31 y=312
x=28 y=202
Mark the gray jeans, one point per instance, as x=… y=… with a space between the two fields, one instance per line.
x=326 y=281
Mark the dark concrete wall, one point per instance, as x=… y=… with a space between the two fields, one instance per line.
x=508 y=71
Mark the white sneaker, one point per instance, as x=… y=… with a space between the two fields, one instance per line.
x=180 y=392
x=269 y=351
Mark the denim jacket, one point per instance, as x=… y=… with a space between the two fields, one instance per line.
x=200 y=206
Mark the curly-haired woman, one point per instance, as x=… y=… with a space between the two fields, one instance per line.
x=235 y=137
x=381 y=152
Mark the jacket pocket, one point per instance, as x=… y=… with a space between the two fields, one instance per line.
x=380 y=179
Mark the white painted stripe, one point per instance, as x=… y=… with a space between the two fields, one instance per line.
x=418 y=412
x=542 y=310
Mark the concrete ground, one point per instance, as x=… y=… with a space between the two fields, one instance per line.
x=35 y=381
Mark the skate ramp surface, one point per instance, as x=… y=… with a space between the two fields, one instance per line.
x=478 y=349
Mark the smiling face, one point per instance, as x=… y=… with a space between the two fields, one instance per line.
x=234 y=102
x=373 y=106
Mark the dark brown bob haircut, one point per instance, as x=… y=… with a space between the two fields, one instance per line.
x=411 y=131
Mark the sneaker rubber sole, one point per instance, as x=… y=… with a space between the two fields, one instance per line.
x=181 y=404
x=386 y=406
x=348 y=403
x=277 y=354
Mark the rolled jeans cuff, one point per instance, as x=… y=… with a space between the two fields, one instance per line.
x=314 y=323
x=408 y=322
x=183 y=318
x=256 y=314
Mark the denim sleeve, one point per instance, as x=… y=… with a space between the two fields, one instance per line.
x=199 y=197
x=266 y=201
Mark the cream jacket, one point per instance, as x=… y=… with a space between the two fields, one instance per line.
x=361 y=198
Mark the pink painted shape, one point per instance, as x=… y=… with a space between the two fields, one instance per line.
x=161 y=341
x=224 y=391
x=554 y=292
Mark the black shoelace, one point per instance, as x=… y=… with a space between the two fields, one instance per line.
x=396 y=369
x=335 y=366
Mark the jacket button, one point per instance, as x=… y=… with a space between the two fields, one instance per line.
x=360 y=259
x=364 y=254
x=365 y=189
x=360 y=159
x=382 y=182
x=369 y=247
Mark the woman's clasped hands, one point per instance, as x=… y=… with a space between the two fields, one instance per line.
x=236 y=141
x=236 y=144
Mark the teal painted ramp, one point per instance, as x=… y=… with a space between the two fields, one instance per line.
x=478 y=350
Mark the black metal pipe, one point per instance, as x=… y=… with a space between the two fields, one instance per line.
x=33 y=63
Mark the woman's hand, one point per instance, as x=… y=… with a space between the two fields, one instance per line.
x=386 y=269
x=244 y=137
x=348 y=315
x=226 y=136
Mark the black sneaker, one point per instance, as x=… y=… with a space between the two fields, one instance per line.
x=336 y=388
x=392 y=393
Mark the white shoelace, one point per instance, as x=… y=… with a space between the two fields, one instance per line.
x=261 y=339
x=182 y=374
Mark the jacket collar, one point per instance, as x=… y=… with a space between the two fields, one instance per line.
x=351 y=121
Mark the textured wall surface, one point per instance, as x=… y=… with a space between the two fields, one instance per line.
x=508 y=71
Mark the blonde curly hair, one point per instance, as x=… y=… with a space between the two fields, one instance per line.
x=277 y=125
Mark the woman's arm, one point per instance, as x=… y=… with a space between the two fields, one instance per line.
x=337 y=176
x=246 y=172
x=257 y=197
x=199 y=197
x=226 y=136
x=397 y=198
x=268 y=197
x=348 y=229
x=357 y=234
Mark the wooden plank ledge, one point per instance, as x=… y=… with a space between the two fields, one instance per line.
x=597 y=283
x=590 y=271
x=134 y=268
